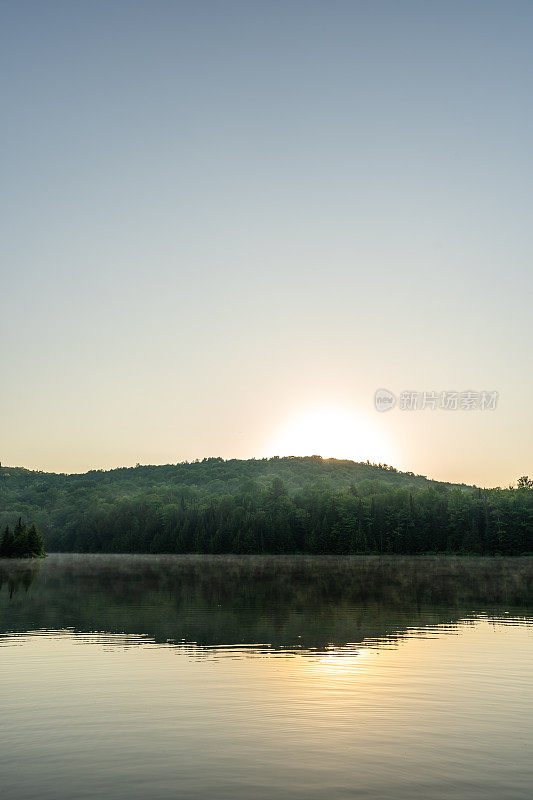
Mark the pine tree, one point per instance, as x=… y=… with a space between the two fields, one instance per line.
x=22 y=542
x=20 y=549
x=8 y=543
x=35 y=542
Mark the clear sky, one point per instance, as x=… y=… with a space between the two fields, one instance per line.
x=225 y=224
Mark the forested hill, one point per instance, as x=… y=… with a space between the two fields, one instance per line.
x=266 y=505
x=46 y=496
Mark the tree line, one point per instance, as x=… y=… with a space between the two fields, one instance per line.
x=370 y=517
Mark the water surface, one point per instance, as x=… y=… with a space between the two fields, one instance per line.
x=260 y=677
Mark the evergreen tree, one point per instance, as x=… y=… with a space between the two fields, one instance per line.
x=8 y=543
x=21 y=548
x=22 y=542
x=35 y=542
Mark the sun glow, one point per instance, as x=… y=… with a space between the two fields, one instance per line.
x=332 y=433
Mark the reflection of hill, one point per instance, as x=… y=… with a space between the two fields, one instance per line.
x=285 y=602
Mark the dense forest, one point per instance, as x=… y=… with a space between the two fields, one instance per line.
x=279 y=505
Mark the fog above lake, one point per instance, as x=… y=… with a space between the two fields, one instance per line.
x=300 y=603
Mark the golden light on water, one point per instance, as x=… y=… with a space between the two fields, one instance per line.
x=332 y=432
x=339 y=663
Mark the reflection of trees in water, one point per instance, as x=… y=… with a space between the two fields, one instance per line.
x=17 y=575
x=286 y=602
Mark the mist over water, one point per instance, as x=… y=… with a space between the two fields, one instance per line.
x=249 y=676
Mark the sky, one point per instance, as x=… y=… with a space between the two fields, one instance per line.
x=224 y=225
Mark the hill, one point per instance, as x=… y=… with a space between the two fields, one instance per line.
x=304 y=504
x=47 y=496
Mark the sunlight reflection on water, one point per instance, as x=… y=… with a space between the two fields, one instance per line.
x=163 y=678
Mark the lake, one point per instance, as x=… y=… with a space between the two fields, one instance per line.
x=261 y=677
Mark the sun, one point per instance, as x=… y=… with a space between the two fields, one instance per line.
x=332 y=433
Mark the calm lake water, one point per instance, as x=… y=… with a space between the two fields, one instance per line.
x=251 y=677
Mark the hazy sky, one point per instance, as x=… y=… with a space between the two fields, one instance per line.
x=224 y=225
